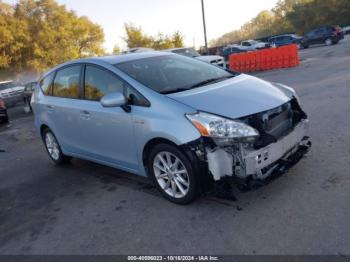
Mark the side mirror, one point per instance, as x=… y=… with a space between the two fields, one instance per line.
x=115 y=99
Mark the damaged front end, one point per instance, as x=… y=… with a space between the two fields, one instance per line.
x=281 y=143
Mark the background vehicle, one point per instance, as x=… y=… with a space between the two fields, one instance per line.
x=138 y=50
x=324 y=35
x=11 y=93
x=3 y=112
x=190 y=52
x=346 y=30
x=226 y=51
x=287 y=39
x=27 y=94
x=251 y=45
x=182 y=122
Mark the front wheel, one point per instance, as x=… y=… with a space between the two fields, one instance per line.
x=173 y=174
x=53 y=148
x=328 y=42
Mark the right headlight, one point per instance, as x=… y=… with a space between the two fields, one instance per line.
x=223 y=130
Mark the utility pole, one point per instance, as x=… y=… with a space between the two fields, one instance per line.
x=205 y=28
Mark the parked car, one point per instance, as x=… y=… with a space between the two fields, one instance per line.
x=11 y=93
x=287 y=39
x=27 y=94
x=138 y=50
x=3 y=112
x=324 y=35
x=251 y=45
x=190 y=52
x=183 y=123
x=229 y=50
x=346 y=30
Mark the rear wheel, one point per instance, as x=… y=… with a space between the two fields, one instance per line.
x=53 y=148
x=173 y=174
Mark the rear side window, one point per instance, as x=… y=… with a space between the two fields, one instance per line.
x=66 y=83
x=46 y=84
x=99 y=82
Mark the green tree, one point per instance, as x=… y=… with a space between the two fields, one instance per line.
x=135 y=37
x=287 y=16
x=39 y=34
x=178 y=39
x=116 y=50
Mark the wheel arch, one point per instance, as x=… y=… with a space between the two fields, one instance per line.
x=189 y=149
x=152 y=143
x=43 y=127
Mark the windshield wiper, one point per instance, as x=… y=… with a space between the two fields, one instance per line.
x=173 y=91
x=209 y=81
x=206 y=82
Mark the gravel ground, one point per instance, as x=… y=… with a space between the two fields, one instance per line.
x=85 y=208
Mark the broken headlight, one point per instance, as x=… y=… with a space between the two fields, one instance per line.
x=222 y=130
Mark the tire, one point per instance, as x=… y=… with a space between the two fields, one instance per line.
x=4 y=120
x=53 y=148
x=179 y=188
x=27 y=103
x=328 y=42
x=305 y=46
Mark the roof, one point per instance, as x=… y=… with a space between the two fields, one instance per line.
x=117 y=59
x=114 y=59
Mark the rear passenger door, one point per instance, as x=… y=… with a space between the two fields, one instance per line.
x=310 y=38
x=64 y=106
x=107 y=134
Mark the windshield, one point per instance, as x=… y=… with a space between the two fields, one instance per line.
x=190 y=52
x=171 y=73
x=6 y=85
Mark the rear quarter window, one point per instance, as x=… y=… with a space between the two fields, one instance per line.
x=46 y=84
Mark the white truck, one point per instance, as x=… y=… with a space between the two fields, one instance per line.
x=190 y=52
x=251 y=45
x=11 y=93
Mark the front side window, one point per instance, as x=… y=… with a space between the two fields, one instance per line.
x=46 y=84
x=170 y=73
x=99 y=82
x=66 y=83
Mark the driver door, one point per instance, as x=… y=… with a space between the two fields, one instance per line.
x=106 y=134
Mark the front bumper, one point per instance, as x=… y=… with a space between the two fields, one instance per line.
x=246 y=163
x=261 y=163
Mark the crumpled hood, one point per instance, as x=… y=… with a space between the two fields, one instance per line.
x=237 y=97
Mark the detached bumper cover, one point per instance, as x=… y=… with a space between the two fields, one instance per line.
x=243 y=163
x=261 y=162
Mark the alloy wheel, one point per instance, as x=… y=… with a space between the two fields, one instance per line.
x=171 y=174
x=52 y=146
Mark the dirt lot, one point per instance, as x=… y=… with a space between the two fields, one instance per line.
x=84 y=208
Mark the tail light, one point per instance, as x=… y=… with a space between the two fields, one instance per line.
x=2 y=103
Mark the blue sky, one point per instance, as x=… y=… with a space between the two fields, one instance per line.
x=167 y=16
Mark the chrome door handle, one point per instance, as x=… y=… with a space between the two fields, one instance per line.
x=85 y=115
x=50 y=109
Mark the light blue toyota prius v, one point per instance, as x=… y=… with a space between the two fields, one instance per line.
x=185 y=124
